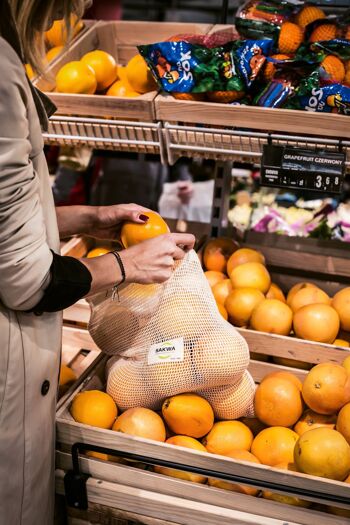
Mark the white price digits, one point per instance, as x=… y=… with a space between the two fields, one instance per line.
x=328 y=180
x=318 y=183
x=336 y=181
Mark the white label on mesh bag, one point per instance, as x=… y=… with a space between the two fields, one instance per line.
x=170 y=351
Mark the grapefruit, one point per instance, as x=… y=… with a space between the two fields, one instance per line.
x=187 y=442
x=226 y=436
x=309 y=14
x=242 y=256
x=323 y=452
x=67 y=376
x=104 y=66
x=343 y=422
x=240 y=304
x=188 y=415
x=141 y=422
x=133 y=233
x=57 y=34
x=241 y=455
x=341 y=303
x=222 y=290
x=97 y=252
x=309 y=295
x=222 y=310
x=290 y=38
x=214 y=277
x=296 y=288
x=285 y=375
x=94 y=408
x=76 y=77
x=334 y=68
x=275 y=292
x=278 y=402
x=53 y=53
x=316 y=322
x=326 y=388
x=217 y=252
x=139 y=75
x=121 y=88
x=341 y=342
x=311 y=419
x=272 y=316
x=274 y=445
x=251 y=275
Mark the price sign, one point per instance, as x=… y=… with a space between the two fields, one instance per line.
x=296 y=168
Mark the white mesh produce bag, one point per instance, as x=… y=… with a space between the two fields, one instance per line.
x=168 y=339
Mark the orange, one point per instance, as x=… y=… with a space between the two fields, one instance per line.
x=189 y=96
x=311 y=419
x=309 y=295
x=270 y=68
x=76 y=77
x=214 y=277
x=251 y=275
x=67 y=375
x=346 y=364
x=53 y=53
x=121 y=88
x=326 y=388
x=57 y=34
x=224 y=97
x=341 y=303
x=188 y=415
x=347 y=76
x=295 y=289
x=316 y=322
x=121 y=74
x=222 y=311
x=244 y=255
x=275 y=292
x=278 y=402
x=241 y=303
x=141 y=422
x=217 y=252
x=274 y=445
x=323 y=33
x=254 y=424
x=282 y=498
x=294 y=363
x=309 y=14
x=222 y=290
x=97 y=252
x=334 y=68
x=187 y=442
x=241 y=455
x=29 y=71
x=104 y=66
x=286 y=375
x=341 y=342
x=139 y=75
x=323 y=452
x=343 y=422
x=337 y=510
x=133 y=233
x=94 y=408
x=290 y=38
x=226 y=436
x=272 y=316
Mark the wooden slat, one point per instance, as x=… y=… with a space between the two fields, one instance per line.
x=158 y=483
x=177 y=510
x=259 y=370
x=292 y=348
x=78 y=338
x=98 y=514
x=265 y=119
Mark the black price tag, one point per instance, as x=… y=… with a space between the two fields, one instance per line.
x=303 y=169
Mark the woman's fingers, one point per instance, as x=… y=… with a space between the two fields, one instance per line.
x=185 y=241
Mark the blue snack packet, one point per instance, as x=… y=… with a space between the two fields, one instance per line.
x=333 y=98
x=275 y=94
x=251 y=56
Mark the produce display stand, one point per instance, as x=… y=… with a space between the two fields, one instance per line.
x=111 y=485
x=120 y=494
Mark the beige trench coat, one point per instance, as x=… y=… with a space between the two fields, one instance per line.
x=29 y=344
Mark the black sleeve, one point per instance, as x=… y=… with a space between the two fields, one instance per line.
x=70 y=281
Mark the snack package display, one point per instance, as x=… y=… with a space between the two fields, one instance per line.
x=168 y=339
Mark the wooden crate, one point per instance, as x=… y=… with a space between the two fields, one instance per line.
x=120 y=40
x=123 y=487
x=79 y=352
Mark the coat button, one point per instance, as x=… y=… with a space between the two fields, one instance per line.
x=45 y=387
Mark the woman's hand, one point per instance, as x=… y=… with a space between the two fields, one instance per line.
x=152 y=261
x=108 y=220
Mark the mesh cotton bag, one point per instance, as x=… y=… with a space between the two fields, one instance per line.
x=167 y=339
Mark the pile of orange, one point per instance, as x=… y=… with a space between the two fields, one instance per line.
x=301 y=427
x=246 y=297
x=97 y=71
